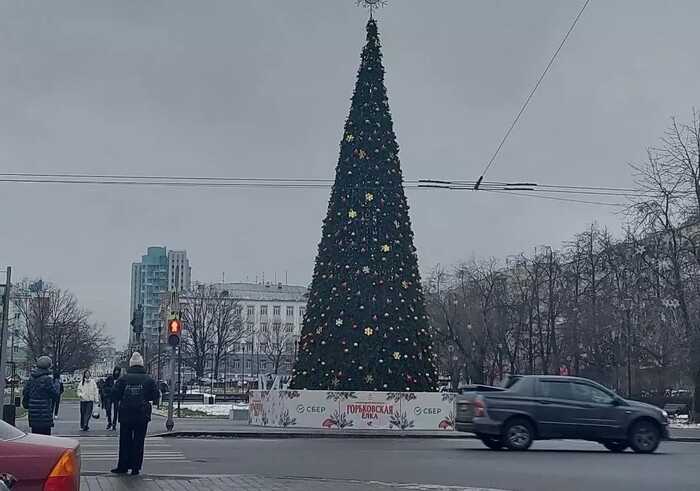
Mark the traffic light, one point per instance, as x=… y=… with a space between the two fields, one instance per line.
x=174 y=332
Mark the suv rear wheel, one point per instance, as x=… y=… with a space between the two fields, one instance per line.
x=644 y=437
x=616 y=446
x=518 y=434
x=493 y=442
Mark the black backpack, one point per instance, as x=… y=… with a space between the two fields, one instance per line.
x=134 y=399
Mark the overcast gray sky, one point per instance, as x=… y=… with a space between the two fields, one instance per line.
x=261 y=88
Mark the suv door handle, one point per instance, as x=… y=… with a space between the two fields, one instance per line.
x=544 y=401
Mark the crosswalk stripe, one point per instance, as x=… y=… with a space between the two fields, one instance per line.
x=105 y=448
x=88 y=448
x=146 y=459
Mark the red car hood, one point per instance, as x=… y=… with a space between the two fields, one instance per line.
x=32 y=457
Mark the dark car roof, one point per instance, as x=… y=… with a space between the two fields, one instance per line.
x=555 y=377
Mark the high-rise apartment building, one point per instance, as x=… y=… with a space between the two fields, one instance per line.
x=159 y=271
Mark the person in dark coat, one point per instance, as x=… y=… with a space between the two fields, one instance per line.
x=59 y=387
x=39 y=396
x=135 y=392
x=111 y=406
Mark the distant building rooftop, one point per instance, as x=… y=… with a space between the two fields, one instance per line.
x=263 y=292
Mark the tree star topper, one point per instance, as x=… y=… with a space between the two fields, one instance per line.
x=372 y=5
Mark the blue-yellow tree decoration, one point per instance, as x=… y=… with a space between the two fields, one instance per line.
x=366 y=326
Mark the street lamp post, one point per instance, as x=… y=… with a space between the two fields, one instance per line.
x=628 y=312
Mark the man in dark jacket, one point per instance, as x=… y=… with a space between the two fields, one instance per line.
x=39 y=396
x=108 y=402
x=135 y=392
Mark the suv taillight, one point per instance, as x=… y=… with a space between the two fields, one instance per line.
x=479 y=408
x=65 y=475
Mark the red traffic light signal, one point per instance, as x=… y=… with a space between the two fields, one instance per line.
x=174 y=332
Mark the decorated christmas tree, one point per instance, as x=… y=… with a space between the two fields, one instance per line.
x=366 y=326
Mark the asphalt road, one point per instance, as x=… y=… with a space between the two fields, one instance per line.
x=570 y=466
x=566 y=465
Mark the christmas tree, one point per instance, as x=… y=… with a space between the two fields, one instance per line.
x=366 y=326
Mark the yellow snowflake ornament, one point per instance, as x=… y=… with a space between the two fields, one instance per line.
x=369 y=197
x=386 y=248
x=352 y=214
x=349 y=138
x=397 y=355
x=369 y=331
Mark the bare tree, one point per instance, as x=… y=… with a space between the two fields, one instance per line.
x=229 y=329
x=199 y=336
x=55 y=325
x=212 y=323
x=276 y=342
x=669 y=209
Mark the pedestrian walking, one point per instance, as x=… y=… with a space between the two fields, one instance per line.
x=135 y=392
x=89 y=395
x=59 y=387
x=111 y=405
x=39 y=396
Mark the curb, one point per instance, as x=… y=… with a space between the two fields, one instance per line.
x=275 y=435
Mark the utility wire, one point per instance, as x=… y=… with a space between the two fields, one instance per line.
x=530 y=96
x=516 y=188
x=554 y=198
x=302 y=183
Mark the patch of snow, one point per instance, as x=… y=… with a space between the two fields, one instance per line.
x=215 y=409
x=685 y=426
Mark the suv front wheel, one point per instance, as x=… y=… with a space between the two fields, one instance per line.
x=518 y=434
x=644 y=437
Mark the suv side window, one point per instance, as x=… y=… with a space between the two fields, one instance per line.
x=588 y=393
x=558 y=389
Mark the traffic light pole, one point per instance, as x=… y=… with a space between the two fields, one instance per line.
x=170 y=424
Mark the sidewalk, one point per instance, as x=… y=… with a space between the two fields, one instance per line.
x=246 y=483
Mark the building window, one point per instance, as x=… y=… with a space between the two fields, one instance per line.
x=236 y=364
x=276 y=327
x=250 y=326
x=248 y=364
x=290 y=311
x=302 y=311
x=263 y=327
x=239 y=311
x=276 y=311
x=263 y=364
x=251 y=310
x=288 y=327
x=263 y=310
